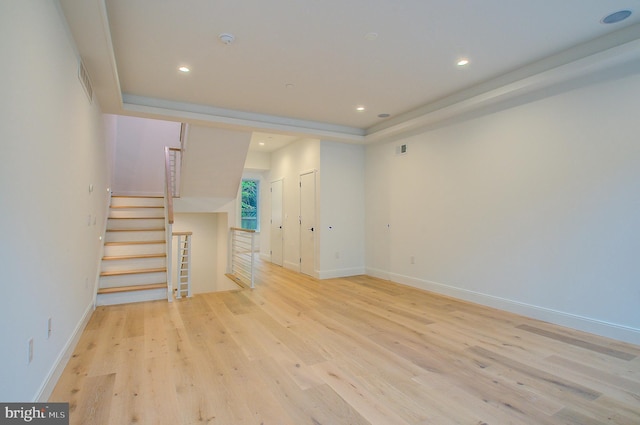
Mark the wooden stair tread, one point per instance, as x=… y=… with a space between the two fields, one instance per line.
x=131 y=288
x=136 y=230
x=134 y=243
x=138 y=271
x=133 y=257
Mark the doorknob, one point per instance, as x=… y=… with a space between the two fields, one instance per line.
x=311 y=229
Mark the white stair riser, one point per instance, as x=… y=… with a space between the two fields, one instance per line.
x=133 y=264
x=119 y=201
x=132 y=279
x=135 y=223
x=136 y=249
x=131 y=297
x=155 y=235
x=136 y=212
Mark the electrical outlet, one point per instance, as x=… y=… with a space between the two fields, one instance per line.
x=49 y=328
x=30 y=350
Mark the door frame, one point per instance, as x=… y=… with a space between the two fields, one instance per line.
x=314 y=223
x=271 y=236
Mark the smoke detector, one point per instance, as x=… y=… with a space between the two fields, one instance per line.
x=226 y=38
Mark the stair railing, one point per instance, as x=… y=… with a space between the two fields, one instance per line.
x=240 y=263
x=183 y=285
x=172 y=160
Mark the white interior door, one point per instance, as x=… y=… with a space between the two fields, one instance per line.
x=308 y=223
x=277 y=235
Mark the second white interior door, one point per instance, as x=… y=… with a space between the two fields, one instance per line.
x=308 y=223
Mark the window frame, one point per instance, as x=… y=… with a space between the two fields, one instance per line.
x=257 y=202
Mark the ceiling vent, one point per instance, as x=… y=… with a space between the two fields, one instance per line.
x=85 y=81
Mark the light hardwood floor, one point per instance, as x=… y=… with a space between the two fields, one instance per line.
x=359 y=350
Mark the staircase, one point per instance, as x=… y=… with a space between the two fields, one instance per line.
x=134 y=266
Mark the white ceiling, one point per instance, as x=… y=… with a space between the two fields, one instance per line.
x=269 y=142
x=326 y=51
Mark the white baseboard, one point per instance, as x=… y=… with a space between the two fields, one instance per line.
x=330 y=274
x=292 y=266
x=61 y=362
x=265 y=257
x=380 y=274
x=586 y=324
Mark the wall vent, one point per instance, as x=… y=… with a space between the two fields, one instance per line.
x=83 y=76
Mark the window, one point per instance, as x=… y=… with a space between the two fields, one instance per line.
x=249 y=205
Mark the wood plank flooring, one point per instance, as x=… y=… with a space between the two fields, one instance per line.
x=359 y=350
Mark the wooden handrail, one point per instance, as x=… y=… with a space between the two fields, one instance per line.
x=240 y=229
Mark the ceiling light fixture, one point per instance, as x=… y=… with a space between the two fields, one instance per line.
x=360 y=108
x=261 y=143
x=384 y=115
x=183 y=69
x=616 y=17
x=226 y=38
x=371 y=36
x=463 y=62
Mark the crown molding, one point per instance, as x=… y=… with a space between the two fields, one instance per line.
x=227 y=118
x=600 y=55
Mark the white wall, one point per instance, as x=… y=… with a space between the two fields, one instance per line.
x=341 y=223
x=533 y=209
x=288 y=163
x=53 y=149
x=111 y=140
x=257 y=161
x=212 y=168
x=139 y=164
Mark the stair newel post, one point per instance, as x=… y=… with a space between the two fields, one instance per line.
x=168 y=203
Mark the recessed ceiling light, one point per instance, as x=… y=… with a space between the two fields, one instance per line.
x=289 y=86
x=616 y=17
x=183 y=69
x=360 y=108
x=371 y=36
x=261 y=143
x=384 y=115
x=463 y=62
